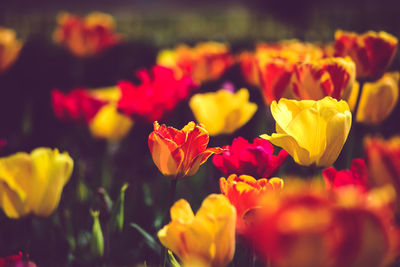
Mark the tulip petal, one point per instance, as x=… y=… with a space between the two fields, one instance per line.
x=201 y=158
x=15 y=184
x=284 y=111
x=288 y=143
x=337 y=131
x=110 y=124
x=182 y=212
x=52 y=171
x=166 y=154
x=223 y=226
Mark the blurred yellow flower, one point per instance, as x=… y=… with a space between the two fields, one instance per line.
x=207 y=239
x=311 y=131
x=222 y=112
x=378 y=99
x=32 y=183
x=108 y=123
x=10 y=47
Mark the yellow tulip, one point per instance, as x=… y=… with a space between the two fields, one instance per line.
x=311 y=131
x=222 y=112
x=378 y=99
x=32 y=183
x=207 y=239
x=108 y=123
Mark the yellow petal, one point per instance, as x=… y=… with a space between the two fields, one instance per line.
x=182 y=212
x=378 y=99
x=51 y=171
x=337 y=130
x=15 y=184
x=110 y=124
x=222 y=218
x=202 y=106
x=288 y=143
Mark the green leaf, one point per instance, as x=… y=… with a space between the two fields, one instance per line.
x=117 y=213
x=150 y=241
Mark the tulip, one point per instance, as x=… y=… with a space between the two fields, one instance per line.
x=222 y=112
x=304 y=226
x=179 y=153
x=32 y=183
x=244 y=192
x=86 y=37
x=97 y=108
x=324 y=77
x=110 y=124
x=204 y=239
x=255 y=159
x=378 y=99
x=10 y=48
x=157 y=94
x=76 y=106
x=274 y=65
x=372 y=52
x=311 y=131
x=204 y=62
x=357 y=176
x=383 y=160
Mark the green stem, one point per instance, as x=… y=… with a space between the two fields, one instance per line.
x=172 y=191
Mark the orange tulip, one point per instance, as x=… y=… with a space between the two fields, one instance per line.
x=204 y=62
x=244 y=193
x=383 y=161
x=10 y=47
x=371 y=51
x=179 y=153
x=85 y=37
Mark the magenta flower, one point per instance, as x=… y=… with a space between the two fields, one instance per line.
x=255 y=159
x=357 y=176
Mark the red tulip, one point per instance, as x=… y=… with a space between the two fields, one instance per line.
x=254 y=159
x=158 y=93
x=371 y=51
x=357 y=176
x=78 y=105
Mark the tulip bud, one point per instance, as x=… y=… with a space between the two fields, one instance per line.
x=97 y=239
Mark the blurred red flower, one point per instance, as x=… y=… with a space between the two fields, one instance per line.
x=254 y=159
x=16 y=261
x=357 y=176
x=371 y=51
x=77 y=106
x=159 y=92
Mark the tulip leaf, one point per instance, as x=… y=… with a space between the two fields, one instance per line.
x=117 y=213
x=173 y=262
x=149 y=239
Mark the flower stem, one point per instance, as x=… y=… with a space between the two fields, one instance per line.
x=172 y=191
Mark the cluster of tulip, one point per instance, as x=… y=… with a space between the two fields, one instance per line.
x=314 y=92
